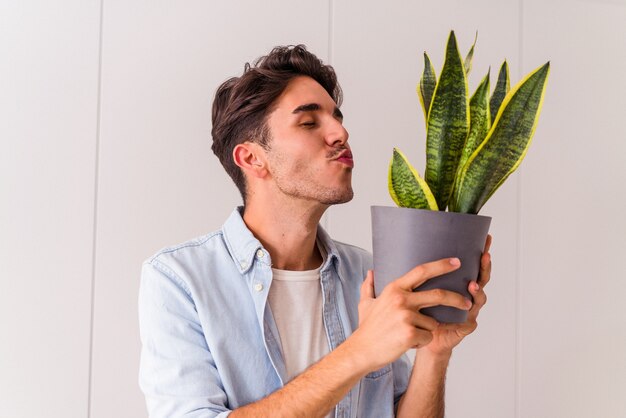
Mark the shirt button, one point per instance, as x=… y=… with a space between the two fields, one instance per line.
x=258 y=287
x=260 y=254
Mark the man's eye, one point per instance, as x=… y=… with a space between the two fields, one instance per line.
x=308 y=124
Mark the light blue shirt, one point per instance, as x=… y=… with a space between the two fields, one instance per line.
x=210 y=343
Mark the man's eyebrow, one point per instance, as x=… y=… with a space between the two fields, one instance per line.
x=311 y=107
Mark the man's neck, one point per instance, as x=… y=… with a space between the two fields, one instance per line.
x=288 y=230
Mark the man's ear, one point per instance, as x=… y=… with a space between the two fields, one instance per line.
x=251 y=158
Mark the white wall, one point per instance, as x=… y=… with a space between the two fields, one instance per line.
x=573 y=230
x=48 y=132
x=106 y=158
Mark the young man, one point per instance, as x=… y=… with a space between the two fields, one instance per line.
x=269 y=317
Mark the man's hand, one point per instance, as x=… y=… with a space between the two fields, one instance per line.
x=392 y=323
x=448 y=336
x=424 y=396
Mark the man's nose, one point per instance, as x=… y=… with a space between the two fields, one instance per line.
x=337 y=135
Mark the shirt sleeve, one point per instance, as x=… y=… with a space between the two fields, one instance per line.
x=177 y=372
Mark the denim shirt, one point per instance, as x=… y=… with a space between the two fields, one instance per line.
x=210 y=343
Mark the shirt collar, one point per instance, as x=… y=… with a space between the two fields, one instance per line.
x=332 y=255
x=243 y=245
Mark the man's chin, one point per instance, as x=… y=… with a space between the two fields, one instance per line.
x=344 y=197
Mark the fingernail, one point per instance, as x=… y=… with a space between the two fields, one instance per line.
x=476 y=287
x=468 y=303
x=455 y=261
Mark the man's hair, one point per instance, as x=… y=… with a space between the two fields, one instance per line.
x=242 y=104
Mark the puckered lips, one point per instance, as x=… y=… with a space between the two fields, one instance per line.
x=345 y=157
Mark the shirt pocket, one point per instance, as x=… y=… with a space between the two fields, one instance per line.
x=376 y=394
x=378 y=373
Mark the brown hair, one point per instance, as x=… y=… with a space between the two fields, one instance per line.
x=242 y=104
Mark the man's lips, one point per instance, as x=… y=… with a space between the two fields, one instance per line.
x=345 y=157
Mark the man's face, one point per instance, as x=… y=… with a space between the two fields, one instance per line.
x=309 y=157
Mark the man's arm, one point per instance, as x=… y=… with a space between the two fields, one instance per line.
x=425 y=395
x=389 y=326
x=314 y=392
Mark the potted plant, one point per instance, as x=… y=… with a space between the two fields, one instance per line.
x=472 y=145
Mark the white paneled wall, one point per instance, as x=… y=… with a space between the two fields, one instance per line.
x=48 y=130
x=573 y=236
x=106 y=158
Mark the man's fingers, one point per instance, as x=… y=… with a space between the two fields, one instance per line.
x=425 y=322
x=485 y=269
x=422 y=328
x=367 y=288
x=479 y=296
x=470 y=325
x=480 y=299
x=488 y=243
x=463 y=330
x=419 y=320
x=423 y=272
x=436 y=297
x=421 y=337
x=485 y=264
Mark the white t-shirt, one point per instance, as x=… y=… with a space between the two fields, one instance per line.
x=295 y=298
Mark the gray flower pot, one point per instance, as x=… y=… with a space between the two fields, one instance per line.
x=403 y=238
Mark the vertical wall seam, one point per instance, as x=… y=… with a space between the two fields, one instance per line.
x=331 y=22
x=95 y=210
x=331 y=33
x=518 y=255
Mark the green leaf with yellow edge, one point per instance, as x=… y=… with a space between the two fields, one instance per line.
x=505 y=146
x=406 y=187
x=468 y=58
x=503 y=85
x=448 y=124
x=427 y=85
x=480 y=122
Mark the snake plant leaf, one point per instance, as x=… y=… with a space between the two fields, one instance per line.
x=480 y=121
x=427 y=85
x=406 y=187
x=468 y=58
x=447 y=126
x=503 y=85
x=506 y=143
